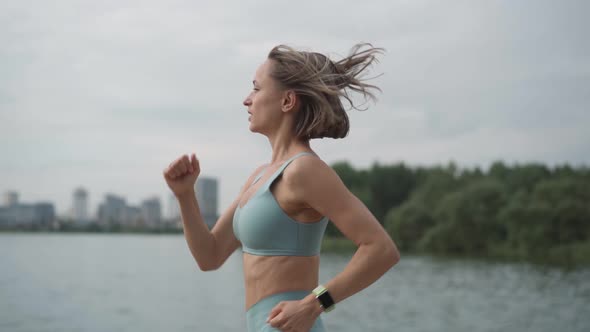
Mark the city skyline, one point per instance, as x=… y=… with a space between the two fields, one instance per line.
x=152 y=210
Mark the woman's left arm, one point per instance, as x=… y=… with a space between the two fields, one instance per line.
x=321 y=188
x=376 y=252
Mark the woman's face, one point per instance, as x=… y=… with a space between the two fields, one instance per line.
x=264 y=101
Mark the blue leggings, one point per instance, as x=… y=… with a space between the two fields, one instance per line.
x=258 y=313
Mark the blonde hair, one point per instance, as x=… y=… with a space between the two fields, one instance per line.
x=319 y=84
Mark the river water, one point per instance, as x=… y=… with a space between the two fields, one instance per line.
x=107 y=282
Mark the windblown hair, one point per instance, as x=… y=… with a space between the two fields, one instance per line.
x=319 y=83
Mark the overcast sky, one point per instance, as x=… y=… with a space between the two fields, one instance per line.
x=105 y=94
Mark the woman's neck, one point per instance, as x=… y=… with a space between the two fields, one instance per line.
x=285 y=146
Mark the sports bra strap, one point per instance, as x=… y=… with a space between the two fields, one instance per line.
x=283 y=166
x=258 y=177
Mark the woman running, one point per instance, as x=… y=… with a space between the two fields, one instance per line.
x=282 y=211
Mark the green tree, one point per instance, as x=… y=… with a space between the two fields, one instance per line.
x=520 y=177
x=466 y=220
x=389 y=186
x=435 y=185
x=408 y=223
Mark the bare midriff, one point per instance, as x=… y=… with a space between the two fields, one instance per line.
x=268 y=275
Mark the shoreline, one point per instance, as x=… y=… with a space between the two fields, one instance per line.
x=342 y=245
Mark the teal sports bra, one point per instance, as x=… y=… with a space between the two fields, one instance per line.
x=264 y=229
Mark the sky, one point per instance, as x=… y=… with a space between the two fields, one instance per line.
x=105 y=94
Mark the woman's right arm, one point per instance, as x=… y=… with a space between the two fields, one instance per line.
x=209 y=248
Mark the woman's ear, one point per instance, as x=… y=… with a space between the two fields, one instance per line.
x=290 y=101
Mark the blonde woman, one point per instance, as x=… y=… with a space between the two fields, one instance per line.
x=281 y=213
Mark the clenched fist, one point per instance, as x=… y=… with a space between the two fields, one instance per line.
x=181 y=174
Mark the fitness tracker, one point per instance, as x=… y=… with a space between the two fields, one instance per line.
x=324 y=297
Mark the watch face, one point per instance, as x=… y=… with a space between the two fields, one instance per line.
x=326 y=301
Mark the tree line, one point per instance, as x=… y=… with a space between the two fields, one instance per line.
x=526 y=212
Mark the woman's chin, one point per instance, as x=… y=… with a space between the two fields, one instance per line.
x=252 y=128
x=256 y=130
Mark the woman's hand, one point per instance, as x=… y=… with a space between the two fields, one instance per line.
x=181 y=174
x=295 y=316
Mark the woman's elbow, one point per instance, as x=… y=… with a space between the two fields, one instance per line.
x=391 y=253
x=207 y=267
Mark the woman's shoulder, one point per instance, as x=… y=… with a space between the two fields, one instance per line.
x=310 y=179
x=304 y=168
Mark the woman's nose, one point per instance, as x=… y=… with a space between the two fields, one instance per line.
x=247 y=101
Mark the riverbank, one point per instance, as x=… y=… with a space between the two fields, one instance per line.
x=565 y=256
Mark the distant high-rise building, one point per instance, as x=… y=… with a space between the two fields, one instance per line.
x=80 y=206
x=38 y=214
x=206 y=191
x=151 y=211
x=132 y=216
x=44 y=213
x=10 y=198
x=112 y=210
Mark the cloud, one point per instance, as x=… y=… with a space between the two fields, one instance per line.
x=106 y=94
